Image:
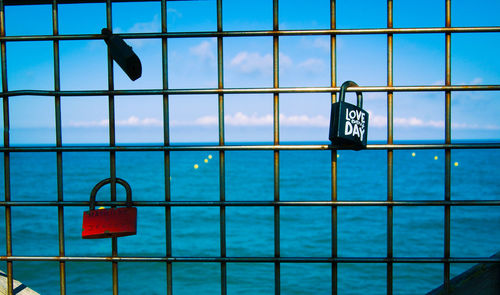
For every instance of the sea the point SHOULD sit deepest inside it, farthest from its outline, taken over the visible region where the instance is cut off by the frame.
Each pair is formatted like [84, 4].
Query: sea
[305, 231]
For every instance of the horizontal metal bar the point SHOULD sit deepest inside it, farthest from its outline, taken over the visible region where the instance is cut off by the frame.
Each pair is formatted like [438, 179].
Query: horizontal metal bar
[258, 259]
[137, 92]
[284, 147]
[253, 203]
[263, 33]
[31, 2]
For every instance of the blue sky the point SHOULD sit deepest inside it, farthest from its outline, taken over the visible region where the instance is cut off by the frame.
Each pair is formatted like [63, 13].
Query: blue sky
[304, 61]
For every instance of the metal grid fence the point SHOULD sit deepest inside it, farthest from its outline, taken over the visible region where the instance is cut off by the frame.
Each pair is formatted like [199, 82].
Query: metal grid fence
[389, 260]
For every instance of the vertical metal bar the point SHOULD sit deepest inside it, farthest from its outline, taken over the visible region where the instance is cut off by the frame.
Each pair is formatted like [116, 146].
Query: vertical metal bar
[390, 153]
[166, 142]
[277, 254]
[112, 154]
[222, 164]
[447, 194]
[6, 155]
[333, 73]
[57, 100]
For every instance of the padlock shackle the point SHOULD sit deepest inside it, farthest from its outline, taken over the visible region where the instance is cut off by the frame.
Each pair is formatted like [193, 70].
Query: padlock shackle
[102, 183]
[343, 89]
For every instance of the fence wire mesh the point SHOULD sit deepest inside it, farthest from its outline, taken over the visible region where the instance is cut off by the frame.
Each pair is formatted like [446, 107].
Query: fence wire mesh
[220, 35]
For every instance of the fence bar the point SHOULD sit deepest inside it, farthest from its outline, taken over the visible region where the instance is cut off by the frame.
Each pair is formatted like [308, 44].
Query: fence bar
[333, 166]
[276, 140]
[6, 155]
[60, 196]
[78, 93]
[257, 259]
[166, 143]
[222, 162]
[390, 152]
[447, 126]
[323, 147]
[376, 31]
[112, 153]
[255, 203]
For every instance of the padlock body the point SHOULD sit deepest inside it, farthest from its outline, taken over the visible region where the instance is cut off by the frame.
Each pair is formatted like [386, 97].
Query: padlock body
[109, 223]
[348, 126]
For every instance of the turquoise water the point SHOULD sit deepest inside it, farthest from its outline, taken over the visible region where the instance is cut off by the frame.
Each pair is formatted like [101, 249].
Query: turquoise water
[305, 231]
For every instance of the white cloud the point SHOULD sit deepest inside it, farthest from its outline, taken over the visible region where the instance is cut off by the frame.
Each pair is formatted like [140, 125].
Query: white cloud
[477, 81]
[241, 119]
[475, 126]
[135, 121]
[416, 122]
[204, 50]
[237, 119]
[285, 61]
[304, 120]
[101, 123]
[377, 121]
[252, 62]
[132, 121]
[321, 43]
[174, 12]
[206, 121]
[381, 121]
[147, 27]
[313, 65]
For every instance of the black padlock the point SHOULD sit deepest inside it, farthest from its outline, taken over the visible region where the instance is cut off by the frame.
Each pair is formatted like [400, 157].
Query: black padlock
[348, 123]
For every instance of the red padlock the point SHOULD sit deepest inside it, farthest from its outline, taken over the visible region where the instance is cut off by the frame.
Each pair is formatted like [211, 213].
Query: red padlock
[109, 223]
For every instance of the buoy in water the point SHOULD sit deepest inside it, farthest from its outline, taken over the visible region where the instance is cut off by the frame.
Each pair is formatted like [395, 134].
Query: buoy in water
[210, 157]
[456, 164]
[435, 157]
[413, 154]
[196, 166]
[206, 160]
